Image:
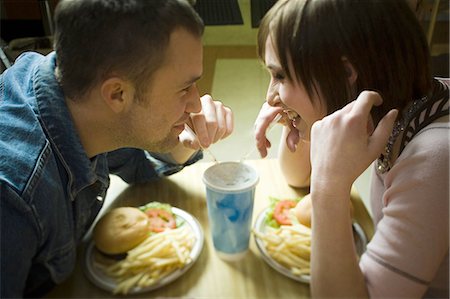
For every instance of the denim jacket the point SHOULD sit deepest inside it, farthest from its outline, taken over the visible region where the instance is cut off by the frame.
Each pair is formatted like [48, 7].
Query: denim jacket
[50, 191]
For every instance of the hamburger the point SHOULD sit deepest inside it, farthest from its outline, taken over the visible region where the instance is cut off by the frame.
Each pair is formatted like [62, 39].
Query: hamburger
[279, 212]
[124, 228]
[120, 230]
[303, 210]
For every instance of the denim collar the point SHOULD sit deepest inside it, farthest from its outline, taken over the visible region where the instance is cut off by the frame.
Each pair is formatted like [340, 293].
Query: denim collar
[58, 123]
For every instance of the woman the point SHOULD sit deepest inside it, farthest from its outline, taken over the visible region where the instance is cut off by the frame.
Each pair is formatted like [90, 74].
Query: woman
[352, 82]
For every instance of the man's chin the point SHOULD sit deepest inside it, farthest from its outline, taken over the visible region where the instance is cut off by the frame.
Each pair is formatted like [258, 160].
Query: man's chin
[164, 146]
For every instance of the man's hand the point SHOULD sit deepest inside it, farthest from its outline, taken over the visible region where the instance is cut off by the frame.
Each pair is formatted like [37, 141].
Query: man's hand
[213, 123]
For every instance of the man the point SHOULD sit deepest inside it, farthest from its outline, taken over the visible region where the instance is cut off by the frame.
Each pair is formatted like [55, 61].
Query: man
[115, 97]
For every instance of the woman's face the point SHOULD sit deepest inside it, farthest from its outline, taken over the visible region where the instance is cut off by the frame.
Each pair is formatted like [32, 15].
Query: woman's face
[291, 95]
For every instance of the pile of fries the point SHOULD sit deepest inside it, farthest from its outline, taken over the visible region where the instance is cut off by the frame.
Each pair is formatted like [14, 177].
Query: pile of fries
[289, 245]
[156, 257]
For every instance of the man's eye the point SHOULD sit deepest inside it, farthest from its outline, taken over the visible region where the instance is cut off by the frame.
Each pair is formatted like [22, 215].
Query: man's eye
[186, 89]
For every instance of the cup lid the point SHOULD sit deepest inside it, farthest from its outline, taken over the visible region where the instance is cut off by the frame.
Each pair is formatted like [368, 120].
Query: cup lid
[230, 177]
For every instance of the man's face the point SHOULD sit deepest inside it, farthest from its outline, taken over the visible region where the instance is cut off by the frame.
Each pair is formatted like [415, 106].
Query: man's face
[157, 119]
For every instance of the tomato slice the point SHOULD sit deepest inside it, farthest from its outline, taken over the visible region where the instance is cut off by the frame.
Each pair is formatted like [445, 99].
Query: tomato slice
[160, 219]
[281, 211]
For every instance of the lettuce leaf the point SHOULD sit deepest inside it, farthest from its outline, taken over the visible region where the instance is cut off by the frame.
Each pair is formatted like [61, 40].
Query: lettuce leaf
[270, 220]
[163, 206]
[157, 205]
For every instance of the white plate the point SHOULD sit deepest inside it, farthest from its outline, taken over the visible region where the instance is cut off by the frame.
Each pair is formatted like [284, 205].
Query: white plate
[260, 226]
[107, 283]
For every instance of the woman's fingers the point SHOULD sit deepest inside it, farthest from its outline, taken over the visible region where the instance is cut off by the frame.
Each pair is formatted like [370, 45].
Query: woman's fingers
[265, 117]
[365, 101]
[293, 138]
[379, 137]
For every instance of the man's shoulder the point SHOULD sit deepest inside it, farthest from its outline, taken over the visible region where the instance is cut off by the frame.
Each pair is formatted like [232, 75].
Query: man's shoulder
[22, 150]
[22, 136]
[22, 68]
[28, 57]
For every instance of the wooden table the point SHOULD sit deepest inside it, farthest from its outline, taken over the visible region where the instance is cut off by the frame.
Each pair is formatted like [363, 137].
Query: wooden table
[209, 277]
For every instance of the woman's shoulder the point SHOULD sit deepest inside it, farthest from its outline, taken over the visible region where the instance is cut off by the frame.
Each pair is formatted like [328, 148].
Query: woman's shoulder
[433, 137]
[432, 113]
[444, 81]
[427, 154]
[441, 87]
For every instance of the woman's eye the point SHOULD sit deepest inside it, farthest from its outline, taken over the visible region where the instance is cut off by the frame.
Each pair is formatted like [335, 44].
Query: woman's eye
[278, 76]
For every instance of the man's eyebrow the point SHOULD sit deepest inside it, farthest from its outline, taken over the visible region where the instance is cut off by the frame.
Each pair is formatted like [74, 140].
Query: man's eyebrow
[192, 80]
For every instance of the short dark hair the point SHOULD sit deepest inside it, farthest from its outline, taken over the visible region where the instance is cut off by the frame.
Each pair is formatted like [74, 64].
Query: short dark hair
[95, 39]
[382, 39]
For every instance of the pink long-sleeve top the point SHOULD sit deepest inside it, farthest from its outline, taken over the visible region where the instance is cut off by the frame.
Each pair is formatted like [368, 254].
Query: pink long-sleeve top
[408, 255]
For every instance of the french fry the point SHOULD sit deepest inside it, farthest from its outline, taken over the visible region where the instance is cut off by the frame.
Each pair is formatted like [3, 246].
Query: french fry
[290, 245]
[156, 257]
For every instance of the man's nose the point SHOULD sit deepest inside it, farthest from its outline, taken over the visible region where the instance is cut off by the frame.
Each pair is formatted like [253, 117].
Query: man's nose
[194, 104]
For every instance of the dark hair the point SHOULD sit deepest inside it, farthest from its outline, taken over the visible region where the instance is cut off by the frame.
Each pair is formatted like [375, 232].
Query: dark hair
[382, 39]
[95, 39]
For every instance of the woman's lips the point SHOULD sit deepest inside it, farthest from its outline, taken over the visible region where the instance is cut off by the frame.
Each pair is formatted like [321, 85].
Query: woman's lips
[293, 117]
[297, 123]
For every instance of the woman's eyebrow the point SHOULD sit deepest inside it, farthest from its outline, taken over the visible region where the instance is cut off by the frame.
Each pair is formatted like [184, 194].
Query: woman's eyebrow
[274, 67]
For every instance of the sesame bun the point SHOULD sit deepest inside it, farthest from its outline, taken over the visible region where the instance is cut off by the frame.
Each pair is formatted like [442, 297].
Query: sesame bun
[120, 230]
[303, 210]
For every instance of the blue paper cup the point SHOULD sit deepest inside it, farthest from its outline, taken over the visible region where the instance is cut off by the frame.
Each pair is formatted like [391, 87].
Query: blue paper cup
[230, 191]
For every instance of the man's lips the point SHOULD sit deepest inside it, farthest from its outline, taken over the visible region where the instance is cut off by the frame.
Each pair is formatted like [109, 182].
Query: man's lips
[182, 122]
[179, 127]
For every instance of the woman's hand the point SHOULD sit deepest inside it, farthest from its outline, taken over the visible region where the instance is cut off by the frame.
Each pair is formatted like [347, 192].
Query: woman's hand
[213, 123]
[344, 144]
[265, 117]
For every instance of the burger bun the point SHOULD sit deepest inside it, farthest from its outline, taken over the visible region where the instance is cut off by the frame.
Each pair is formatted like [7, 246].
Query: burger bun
[303, 210]
[120, 230]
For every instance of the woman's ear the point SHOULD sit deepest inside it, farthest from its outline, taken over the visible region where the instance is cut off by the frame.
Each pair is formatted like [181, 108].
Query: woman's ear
[117, 93]
[350, 71]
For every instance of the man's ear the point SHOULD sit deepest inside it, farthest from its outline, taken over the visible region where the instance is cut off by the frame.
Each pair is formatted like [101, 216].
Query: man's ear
[350, 71]
[117, 93]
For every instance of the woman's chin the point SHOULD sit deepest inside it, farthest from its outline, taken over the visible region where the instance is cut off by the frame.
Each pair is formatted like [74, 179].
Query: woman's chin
[304, 136]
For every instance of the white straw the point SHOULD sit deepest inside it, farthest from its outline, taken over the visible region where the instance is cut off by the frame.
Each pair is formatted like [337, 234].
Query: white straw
[272, 123]
[187, 128]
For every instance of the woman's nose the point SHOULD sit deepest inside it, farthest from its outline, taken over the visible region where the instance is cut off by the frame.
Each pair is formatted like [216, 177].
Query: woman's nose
[273, 99]
[273, 96]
